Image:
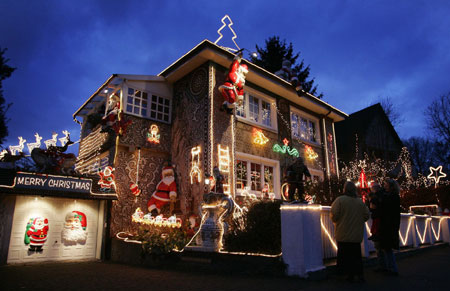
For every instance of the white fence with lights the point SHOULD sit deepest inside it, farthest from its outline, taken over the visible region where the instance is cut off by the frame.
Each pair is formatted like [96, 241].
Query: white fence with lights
[303, 227]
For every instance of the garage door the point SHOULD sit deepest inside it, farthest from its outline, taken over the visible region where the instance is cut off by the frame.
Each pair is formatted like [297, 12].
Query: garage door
[53, 229]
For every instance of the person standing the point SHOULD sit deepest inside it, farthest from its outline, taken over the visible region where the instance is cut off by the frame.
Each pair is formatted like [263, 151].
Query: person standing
[390, 224]
[349, 214]
[295, 174]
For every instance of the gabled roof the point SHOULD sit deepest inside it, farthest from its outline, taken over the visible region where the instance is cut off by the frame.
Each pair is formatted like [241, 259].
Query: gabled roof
[359, 122]
[208, 51]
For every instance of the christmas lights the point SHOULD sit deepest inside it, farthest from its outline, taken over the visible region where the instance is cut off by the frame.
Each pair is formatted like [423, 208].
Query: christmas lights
[439, 228]
[285, 149]
[405, 240]
[52, 141]
[153, 135]
[423, 236]
[328, 235]
[259, 137]
[229, 26]
[17, 148]
[195, 164]
[65, 139]
[436, 174]
[36, 144]
[310, 153]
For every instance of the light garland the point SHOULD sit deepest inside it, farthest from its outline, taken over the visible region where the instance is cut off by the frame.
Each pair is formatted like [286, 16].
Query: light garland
[405, 240]
[158, 221]
[285, 149]
[439, 228]
[328, 235]
[195, 164]
[423, 237]
[259, 137]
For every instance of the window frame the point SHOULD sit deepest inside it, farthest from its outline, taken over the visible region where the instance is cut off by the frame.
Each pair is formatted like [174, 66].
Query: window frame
[263, 162]
[261, 97]
[148, 109]
[309, 118]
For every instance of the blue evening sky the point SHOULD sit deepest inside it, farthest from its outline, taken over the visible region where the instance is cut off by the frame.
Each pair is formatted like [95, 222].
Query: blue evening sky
[358, 51]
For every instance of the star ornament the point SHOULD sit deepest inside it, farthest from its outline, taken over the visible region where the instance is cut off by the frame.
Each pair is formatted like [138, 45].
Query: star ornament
[436, 174]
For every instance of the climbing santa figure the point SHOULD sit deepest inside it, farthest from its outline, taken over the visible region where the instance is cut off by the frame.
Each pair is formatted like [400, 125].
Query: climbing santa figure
[36, 235]
[233, 88]
[166, 191]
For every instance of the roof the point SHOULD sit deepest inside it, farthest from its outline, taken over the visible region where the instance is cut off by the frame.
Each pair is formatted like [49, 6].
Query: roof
[208, 51]
[359, 123]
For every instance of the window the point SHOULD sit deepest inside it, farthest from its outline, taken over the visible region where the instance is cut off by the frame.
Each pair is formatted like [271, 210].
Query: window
[304, 127]
[257, 109]
[254, 173]
[150, 106]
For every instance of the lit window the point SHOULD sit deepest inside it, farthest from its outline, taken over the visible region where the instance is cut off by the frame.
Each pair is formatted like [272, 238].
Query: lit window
[254, 176]
[155, 107]
[258, 110]
[304, 127]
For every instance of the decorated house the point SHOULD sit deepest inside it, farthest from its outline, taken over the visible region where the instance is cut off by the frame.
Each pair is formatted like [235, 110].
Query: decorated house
[139, 124]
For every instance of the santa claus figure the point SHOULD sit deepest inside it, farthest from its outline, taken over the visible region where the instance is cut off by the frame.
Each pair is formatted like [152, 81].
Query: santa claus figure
[233, 88]
[166, 191]
[112, 113]
[106, 179]
[37, 234]
[74, 230]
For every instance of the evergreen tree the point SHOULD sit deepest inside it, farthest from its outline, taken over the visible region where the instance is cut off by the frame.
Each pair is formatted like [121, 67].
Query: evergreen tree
[272, 55]
[5, 72]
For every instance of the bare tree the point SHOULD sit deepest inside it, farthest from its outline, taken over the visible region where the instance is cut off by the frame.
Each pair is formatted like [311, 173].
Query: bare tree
[438, 118]
[392, 111]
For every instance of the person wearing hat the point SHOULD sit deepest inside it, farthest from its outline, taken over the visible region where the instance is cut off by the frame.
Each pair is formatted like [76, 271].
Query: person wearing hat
[233, 88]
[166, 191]
[295, 175]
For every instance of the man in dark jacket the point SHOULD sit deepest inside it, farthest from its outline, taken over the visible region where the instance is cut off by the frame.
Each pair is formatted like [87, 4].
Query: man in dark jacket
[294, 176]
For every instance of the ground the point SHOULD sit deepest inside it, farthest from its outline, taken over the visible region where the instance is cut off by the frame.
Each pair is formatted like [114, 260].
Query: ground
[425, 270]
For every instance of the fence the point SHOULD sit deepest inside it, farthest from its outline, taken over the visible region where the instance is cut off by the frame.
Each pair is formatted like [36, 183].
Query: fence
[304, 225]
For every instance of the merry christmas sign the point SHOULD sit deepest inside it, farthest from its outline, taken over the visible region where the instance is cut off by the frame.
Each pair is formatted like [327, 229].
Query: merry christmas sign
[47, 182]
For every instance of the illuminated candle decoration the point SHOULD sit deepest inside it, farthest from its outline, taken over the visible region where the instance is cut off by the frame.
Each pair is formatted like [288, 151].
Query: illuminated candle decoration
[17, 148]
[107, 179]
[259, 137]
[285, 149]
[195, 172]
[436, 174]
[310, 153]
[153, 135]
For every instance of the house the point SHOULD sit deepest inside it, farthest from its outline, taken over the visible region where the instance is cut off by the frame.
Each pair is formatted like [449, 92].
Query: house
[175, 116]
[367, 131]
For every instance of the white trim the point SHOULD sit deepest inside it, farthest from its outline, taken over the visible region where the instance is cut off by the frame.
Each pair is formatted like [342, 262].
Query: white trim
[261, 96]
[262, 161]
[308, 117]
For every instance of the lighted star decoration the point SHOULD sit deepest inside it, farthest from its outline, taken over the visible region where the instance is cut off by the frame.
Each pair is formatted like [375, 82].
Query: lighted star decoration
[436, 174]
[259, 137]
[362, 164]
[229, 26]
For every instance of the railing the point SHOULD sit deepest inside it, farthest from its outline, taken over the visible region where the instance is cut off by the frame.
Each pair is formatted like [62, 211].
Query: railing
[415, 230]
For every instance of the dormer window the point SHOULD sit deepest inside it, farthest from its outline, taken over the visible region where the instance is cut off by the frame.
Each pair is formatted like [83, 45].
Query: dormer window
[148, 105]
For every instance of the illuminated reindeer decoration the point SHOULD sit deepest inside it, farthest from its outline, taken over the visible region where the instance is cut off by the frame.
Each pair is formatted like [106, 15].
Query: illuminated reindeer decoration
[36, 144]
[17, 148]
[51, 142]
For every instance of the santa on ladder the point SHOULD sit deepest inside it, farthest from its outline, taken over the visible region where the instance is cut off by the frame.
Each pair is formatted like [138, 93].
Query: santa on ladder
[166, 191]
[233, 88]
